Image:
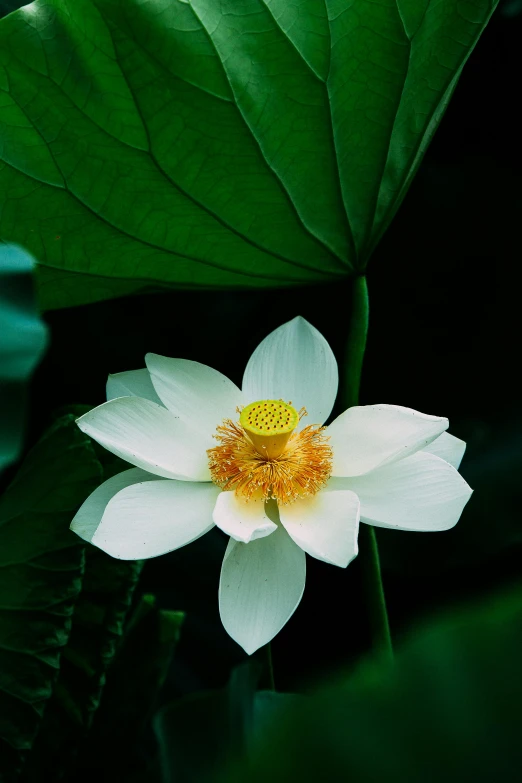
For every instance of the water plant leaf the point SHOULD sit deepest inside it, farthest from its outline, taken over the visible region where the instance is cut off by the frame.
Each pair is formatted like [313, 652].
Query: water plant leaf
[204, 144]
[448, 709]
[23, 340]
[41, 566]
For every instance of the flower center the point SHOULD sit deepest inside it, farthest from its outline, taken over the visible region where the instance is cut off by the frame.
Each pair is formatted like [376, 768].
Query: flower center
[262, 456]
[269, 424]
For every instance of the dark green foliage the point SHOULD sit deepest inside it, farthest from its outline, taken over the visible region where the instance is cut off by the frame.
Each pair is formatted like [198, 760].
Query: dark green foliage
[215, 145]
[450, 710]
[97, 626]
[119, 739]
[41, 566]
[222, 722]
[23, 338]
[62, 612]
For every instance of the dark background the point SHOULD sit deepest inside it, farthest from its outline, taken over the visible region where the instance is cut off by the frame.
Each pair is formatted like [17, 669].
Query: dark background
[444, 339]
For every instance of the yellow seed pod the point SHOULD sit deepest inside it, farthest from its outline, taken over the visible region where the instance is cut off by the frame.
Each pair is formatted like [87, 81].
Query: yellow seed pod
[269, 424]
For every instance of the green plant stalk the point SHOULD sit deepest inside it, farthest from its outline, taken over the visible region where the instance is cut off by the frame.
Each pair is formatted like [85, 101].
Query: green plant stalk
[356, 343]
[354, 356]
[270, 666]
[375, 599]
[264, 659]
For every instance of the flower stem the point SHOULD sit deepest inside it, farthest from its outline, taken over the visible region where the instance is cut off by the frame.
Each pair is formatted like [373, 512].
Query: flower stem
[263, 660]
[270, 666]
[376, 601]
[355, 347]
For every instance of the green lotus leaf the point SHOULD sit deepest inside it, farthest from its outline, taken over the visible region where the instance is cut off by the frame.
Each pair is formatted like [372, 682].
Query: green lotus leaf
[216, 144]
[23, 339]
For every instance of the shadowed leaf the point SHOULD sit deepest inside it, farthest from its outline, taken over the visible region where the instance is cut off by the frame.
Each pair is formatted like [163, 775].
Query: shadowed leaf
[41, 565]
[23, 341]
[449, 710]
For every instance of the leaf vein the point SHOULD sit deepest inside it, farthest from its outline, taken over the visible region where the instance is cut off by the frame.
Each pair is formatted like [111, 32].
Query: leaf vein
[281, 183]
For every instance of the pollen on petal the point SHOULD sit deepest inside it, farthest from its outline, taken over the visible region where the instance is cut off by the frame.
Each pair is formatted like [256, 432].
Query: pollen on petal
[256, 465]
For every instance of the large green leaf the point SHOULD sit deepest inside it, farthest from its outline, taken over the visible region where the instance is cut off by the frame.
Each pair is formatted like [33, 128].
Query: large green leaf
[23, 340]
[99, 614]
[450, 710]
[205, 143]
[97, 626]
[134, 681]
[41, 564]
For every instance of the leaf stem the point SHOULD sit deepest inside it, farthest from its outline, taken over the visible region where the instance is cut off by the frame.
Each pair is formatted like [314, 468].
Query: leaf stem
[354, 355]
[356, 343]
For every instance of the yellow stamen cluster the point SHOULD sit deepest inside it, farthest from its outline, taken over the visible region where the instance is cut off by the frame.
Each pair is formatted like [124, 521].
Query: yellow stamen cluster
[260, 463]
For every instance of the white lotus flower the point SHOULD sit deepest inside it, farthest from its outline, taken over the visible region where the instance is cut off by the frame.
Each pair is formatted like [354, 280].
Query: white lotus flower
[278, 488]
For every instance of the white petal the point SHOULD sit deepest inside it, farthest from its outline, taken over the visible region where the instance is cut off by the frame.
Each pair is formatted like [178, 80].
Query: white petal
[149, 437]
[243, 521]
[421, 492]
[448, 447]
[296, 364]
[90, 513]
[325, 525]
[134, 383]
[369, 436]
[260, 588]
[201, 396]
[155, 517]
